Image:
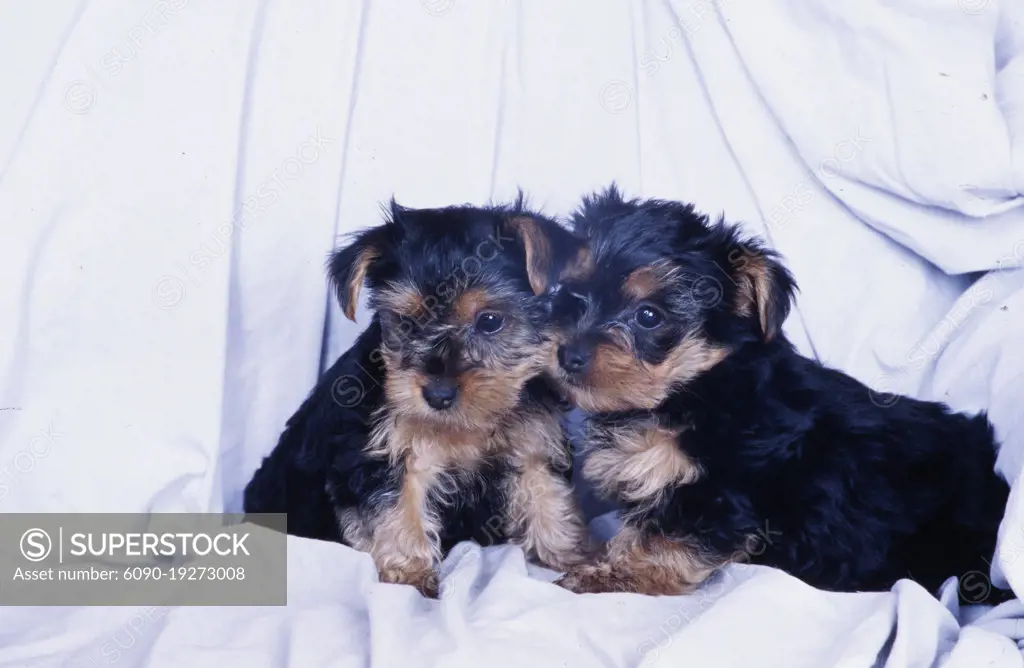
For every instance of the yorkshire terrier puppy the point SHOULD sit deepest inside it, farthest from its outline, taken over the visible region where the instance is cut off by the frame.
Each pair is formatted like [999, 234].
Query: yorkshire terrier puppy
[721, 443]
[438, 425]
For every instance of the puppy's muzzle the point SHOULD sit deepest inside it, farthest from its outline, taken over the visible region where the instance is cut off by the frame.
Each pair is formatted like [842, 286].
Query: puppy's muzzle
[440, 394]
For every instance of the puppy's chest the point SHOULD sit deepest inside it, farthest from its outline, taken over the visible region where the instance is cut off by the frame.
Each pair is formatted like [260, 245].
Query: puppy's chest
[638, 461]
[456, 474]
[518, 438]
[461, 467]
[470, 481]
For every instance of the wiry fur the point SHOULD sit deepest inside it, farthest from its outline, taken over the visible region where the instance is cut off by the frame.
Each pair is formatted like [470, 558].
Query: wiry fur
[642, 562]
[369, 461]
[774, 450]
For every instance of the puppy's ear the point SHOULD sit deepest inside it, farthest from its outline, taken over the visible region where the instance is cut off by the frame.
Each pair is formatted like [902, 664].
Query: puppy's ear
[552, 252]
[347, 267]
[764, 287]
[538, 246]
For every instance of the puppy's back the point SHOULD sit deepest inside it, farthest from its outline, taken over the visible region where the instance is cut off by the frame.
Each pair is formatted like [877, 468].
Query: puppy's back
[335, 416]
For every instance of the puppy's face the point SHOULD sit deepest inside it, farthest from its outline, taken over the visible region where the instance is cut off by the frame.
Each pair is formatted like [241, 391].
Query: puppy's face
[462, 295]
[460, 353]
[668, 295]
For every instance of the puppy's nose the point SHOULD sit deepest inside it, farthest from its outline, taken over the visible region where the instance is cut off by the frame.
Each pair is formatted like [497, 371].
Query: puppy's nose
[440, 394]
[574, 357]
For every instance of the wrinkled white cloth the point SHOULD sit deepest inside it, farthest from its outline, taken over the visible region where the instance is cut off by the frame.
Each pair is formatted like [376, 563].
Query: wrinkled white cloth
[911, 113]
[173, 175]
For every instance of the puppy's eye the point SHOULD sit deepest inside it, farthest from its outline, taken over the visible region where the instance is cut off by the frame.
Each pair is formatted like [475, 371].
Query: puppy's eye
[648, 317]
[489, 322]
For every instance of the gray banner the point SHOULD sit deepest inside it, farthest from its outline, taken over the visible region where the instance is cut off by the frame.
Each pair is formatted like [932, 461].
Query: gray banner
[158, 559]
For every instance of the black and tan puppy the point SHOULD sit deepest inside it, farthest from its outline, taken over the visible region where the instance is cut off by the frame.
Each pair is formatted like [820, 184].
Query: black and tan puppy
[722, 443]
[438, 425]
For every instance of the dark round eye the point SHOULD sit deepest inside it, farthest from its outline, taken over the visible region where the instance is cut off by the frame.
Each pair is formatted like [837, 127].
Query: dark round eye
[489, 322]
[648, 317]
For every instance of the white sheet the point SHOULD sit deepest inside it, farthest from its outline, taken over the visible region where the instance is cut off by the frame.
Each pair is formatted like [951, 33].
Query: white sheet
[172, 175]
[912, 111]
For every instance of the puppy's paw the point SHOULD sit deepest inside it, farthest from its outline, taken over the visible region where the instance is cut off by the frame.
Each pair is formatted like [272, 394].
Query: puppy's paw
[424, 580]
[602, 577]
[591, 579]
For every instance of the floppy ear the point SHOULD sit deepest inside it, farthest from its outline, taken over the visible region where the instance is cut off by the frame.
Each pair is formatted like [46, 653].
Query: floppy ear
[764, 287]
[347, 268]
[540, 254]
[552, 252]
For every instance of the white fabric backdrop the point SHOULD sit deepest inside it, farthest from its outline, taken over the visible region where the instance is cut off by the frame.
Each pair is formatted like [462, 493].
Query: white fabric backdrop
[172, 175]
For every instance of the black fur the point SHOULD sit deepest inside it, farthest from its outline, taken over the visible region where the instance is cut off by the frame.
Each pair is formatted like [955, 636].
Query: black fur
[326, 434]
[839, 488]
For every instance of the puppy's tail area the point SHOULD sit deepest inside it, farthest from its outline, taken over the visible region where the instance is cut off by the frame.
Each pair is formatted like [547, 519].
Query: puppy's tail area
[979, 429]
[978, 508]
[279, 488]
[971, 452]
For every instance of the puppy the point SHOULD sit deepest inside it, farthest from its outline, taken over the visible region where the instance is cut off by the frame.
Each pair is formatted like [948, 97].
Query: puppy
[721, 443]
[437, 426]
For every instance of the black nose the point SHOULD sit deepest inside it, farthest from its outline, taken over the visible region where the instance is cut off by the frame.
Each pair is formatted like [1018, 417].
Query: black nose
[440, 394]
[574, 357]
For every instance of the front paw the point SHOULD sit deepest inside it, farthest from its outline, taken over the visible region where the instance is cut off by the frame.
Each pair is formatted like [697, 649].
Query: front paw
[602, 577]
[591, 579]
[425, 581]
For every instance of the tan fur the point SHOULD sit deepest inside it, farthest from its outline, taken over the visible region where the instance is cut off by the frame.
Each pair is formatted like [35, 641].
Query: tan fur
[355, 284]
[398, 436]
[642, 283]
[491, 392]
[642, 462]
[754, 290]
[538, 251]
[646, 281]
[619, 381]
[653, 565]
[403, 299]
[543, 516]
[404, 542]
[404, 538]
[468, 304]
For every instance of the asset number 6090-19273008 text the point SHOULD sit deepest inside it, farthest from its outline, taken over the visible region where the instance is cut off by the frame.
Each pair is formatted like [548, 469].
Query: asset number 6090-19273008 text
[181, 573]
